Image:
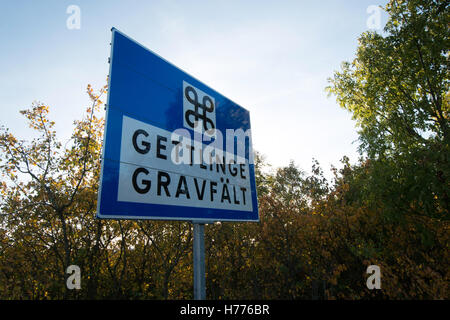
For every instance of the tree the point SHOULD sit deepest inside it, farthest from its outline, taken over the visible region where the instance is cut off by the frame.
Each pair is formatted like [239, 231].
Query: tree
[47, 221]
[48, 190]
[397, 89]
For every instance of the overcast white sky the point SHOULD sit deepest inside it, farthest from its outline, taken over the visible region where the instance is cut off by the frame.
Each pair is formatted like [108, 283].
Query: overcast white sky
[271, 57]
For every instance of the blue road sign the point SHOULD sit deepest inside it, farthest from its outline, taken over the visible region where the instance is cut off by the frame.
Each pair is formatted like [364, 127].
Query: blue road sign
[174, 149]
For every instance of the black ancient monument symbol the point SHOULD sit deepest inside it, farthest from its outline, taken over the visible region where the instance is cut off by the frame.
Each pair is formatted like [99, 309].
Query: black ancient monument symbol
[207, 105]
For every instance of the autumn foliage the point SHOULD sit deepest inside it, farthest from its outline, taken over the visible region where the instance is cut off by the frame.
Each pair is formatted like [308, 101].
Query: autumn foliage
[309, 233]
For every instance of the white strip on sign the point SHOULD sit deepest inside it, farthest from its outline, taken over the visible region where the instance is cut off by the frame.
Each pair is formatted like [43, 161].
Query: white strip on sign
[161, 167]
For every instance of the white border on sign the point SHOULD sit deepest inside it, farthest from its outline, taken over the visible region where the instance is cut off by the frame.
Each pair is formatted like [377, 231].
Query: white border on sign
[121, 217]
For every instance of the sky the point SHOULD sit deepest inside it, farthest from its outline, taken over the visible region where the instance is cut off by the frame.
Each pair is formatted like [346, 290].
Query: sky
[271, 57]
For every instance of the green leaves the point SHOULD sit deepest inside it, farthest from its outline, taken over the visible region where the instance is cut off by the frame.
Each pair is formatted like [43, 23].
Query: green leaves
[396, 84]
[397, 90]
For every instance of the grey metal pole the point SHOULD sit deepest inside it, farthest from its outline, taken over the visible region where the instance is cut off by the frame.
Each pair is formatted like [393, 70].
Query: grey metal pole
[199, 261]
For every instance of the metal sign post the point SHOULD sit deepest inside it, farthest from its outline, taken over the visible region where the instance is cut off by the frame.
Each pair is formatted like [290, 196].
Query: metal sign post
[199, 261]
